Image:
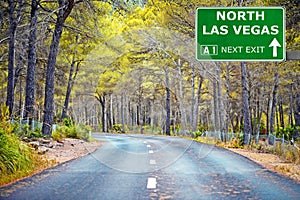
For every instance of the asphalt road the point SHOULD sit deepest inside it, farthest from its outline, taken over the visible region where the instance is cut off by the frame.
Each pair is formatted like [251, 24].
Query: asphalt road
[155, 167]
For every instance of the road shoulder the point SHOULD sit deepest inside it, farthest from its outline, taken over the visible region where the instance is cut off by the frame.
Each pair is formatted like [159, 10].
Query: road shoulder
[271, 162]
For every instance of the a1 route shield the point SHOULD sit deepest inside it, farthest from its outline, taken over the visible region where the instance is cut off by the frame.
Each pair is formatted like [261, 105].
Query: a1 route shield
[240, 34]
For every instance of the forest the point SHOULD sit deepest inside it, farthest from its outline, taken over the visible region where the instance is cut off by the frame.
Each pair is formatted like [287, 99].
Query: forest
[130, 66]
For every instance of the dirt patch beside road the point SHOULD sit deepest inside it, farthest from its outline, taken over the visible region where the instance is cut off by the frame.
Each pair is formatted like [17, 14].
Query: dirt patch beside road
[70, 149]
[272, 162]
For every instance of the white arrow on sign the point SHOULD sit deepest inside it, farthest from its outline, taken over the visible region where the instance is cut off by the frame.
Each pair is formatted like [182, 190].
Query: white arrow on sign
[274, 44]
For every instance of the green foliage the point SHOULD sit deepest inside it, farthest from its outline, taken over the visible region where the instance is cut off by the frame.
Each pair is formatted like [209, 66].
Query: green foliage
[288, 132]
[14, 155]
[67, 122]
[197, 133]
[24, 130]
[37, 133]
[57, 135]
[72, 132]
[202, 128]
[84, 132]
[5, 125]
[16, 158]
[4, 112]
[65, 131]
[148, 129]
[117, 128]
[200, 131]
[237, 141]
[76, 132]
[177, 128]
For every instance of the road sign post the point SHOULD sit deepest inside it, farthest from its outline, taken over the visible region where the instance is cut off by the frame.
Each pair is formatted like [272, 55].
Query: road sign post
[240, 34]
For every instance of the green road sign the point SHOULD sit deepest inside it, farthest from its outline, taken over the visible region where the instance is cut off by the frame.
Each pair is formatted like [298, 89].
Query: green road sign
[240, 34]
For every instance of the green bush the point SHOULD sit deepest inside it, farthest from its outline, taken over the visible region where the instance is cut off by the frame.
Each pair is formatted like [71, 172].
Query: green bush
[117, 128]
[202, 128]
[65, 131]
[15, 156]
[61, 132]
[288, 132]
[56, 135]
[84, 132]
[237, 141]
[67, 122]
[24, 130]
[197, 133]
[73, 132]
[17, 160]
[37, 133]
[76, 132]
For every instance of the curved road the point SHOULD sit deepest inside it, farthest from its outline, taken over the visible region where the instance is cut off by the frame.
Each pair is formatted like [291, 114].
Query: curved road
[155, 167]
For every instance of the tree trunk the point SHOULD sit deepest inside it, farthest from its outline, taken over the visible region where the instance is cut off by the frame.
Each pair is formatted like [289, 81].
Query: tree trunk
[86, 115]
[197, 102]
[273, 105]
[245, 97]
[216, 106]
[194, 127]
[111, 115]
[220, 98]
[281, 114]
[168, 107]
[277, 117]
[20, 112]
[30, 77]
[259, 111]
[140, 104]
[268, 116]
[13, 20]
[130, 113]
[102, 100]
[245, 101]
[152, 115]
[297, 113]
[291, 121]
[227, 117]
[122, 112]
[69, 88]
[181, 99]
[65, 8]
[20, 64]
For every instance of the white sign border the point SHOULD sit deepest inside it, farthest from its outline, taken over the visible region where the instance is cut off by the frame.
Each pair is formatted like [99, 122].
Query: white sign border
[242, 60]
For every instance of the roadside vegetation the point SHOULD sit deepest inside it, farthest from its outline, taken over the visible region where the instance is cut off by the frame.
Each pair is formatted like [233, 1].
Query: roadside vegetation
[68, 129]
[287, 150]
[18, 158]
[281, 156]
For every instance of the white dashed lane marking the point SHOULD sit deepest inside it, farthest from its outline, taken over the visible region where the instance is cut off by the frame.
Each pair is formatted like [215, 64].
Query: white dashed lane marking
[152, 162]
[151, 184]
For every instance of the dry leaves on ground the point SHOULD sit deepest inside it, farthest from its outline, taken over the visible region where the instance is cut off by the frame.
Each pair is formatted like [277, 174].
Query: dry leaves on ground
[272, 162]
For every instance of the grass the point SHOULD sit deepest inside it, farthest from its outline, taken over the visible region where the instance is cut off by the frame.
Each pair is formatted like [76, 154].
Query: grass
[17, 160]
[74, 131]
